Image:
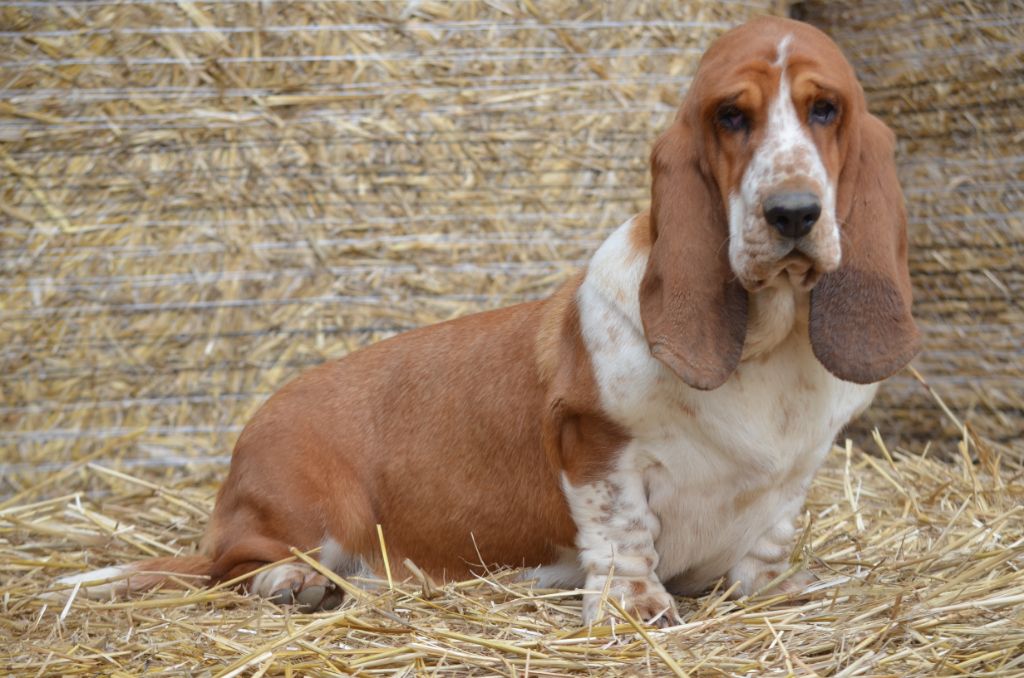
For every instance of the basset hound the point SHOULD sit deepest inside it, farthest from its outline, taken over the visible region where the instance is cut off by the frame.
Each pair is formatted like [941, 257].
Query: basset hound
[650, 427]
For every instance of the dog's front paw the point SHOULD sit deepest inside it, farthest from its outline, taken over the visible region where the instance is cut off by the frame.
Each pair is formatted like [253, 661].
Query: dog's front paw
[657, 608]
[792, 585]
[644, 599]
[759, 577]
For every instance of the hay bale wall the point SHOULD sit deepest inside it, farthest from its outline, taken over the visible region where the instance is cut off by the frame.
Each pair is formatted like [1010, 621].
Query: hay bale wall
[948, 77]
[201, 199]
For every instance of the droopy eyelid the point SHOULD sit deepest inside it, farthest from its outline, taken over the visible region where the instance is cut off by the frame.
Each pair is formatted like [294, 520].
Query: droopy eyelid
[733, 96]
[821, 89]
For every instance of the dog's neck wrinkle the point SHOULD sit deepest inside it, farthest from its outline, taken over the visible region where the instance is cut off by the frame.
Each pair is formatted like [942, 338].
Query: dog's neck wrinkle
[775, 313]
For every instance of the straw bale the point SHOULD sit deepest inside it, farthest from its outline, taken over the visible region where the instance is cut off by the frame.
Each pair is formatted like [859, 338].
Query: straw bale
[948, 77]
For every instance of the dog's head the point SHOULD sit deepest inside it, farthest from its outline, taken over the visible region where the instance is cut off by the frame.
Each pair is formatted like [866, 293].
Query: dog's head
[773, 166]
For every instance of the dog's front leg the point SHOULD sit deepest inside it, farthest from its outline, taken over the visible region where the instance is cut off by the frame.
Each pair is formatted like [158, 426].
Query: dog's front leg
[615, 537]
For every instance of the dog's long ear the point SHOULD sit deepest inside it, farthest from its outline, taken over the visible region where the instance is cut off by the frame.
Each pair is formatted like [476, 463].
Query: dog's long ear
[693, 309]
[861, 327]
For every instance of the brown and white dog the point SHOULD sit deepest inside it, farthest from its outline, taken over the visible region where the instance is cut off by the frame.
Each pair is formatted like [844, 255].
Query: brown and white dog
[650, 427]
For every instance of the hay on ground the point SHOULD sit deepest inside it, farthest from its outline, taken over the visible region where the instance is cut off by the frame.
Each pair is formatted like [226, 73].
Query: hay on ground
[919, 562]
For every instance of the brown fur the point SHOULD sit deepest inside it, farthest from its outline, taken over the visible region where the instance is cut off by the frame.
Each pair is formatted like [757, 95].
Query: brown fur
[640, 235]
[861, 325]
[452, 437]
[694, 311]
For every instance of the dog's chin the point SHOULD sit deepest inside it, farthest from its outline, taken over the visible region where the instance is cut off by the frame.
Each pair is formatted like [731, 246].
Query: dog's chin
[795, 270]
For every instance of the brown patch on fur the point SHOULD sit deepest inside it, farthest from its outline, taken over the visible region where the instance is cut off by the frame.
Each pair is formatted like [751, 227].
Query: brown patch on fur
[795, 183]
[687, 409]
[638, 587]
[640, 236]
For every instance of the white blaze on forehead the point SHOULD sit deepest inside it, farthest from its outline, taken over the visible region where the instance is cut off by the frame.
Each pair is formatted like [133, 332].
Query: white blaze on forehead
[786, 151]
[782, 52]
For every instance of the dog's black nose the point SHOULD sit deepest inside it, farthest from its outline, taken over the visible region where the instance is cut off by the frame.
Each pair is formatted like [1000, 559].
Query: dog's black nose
[792, 214]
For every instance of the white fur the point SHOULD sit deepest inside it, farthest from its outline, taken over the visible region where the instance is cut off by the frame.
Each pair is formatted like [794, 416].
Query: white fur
[711, 479]
[564, 573]
[616, 533]
[786, 157]
[335, 559]
[100, 583]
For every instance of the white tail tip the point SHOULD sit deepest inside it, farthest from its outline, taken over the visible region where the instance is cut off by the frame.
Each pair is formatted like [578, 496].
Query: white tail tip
[101, 583]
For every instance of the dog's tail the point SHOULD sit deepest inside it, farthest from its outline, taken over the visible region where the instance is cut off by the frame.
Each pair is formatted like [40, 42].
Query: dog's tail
[123, 580]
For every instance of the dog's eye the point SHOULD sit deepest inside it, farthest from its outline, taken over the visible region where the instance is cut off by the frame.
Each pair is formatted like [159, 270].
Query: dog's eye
[732, 118]
[823, 112]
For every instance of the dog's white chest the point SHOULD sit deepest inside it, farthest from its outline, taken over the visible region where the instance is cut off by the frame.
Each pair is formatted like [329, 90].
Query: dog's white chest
[738, 459]
[719, 467]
